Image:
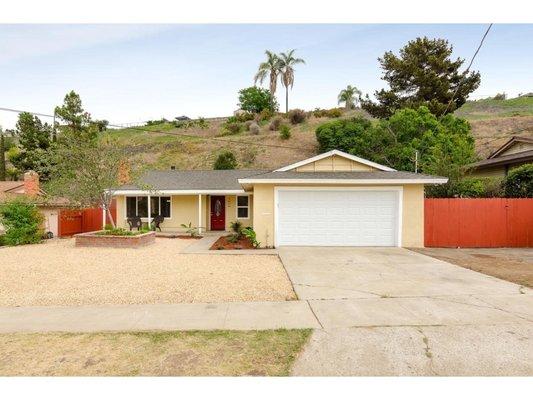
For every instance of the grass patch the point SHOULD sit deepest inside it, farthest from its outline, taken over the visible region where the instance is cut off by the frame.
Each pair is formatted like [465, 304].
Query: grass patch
[176, 353]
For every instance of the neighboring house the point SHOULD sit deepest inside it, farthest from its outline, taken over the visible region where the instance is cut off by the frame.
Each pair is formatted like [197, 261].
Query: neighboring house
[515, 152]
[333, 199]
[30, 187]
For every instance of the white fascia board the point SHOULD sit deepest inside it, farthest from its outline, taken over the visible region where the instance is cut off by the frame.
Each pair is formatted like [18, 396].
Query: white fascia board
[349, 181]
[135, 192]
[335, 153]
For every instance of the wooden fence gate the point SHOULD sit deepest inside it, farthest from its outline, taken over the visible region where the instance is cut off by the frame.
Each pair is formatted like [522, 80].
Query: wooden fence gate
[478, 222]
[72, 222]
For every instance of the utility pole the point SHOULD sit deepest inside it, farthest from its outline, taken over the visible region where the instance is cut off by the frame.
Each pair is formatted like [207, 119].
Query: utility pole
[416, 161]
[54, 128]
[2, 157]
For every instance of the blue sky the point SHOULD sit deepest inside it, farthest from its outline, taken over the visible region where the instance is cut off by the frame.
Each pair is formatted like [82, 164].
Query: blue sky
[128, 73]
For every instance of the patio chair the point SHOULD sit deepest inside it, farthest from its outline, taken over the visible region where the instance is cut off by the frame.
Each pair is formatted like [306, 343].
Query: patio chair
[157, 221]
[135, 222]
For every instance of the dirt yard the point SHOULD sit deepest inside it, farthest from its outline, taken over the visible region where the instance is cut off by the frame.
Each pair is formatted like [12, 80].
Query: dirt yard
[513, 265]
[57, 273]
[218, 353]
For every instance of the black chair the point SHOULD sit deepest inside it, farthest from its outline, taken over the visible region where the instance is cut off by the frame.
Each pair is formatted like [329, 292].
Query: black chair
[157, 221]
[135, 222]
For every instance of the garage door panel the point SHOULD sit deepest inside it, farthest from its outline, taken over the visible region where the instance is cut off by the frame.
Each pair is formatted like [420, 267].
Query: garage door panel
[337, 217]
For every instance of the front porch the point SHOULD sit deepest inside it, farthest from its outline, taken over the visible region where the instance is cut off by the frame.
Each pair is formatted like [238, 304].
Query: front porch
[210, 213]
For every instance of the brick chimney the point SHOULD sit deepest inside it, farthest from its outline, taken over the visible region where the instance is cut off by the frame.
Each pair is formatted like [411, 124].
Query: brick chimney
[31, 183]
[124, 173]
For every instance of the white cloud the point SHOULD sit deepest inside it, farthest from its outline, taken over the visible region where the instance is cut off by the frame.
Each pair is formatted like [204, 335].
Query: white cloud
[27, 41]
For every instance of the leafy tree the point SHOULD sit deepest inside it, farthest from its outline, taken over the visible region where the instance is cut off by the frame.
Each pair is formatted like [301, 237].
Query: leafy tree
[225, 160]
[287, 61]
[423, 74]
[86, 172]
[348, 97]
[34, 146]
[519, 182]
[270, 68]
[444, 146]
[77, 121]
[23, 222]
[255, 100]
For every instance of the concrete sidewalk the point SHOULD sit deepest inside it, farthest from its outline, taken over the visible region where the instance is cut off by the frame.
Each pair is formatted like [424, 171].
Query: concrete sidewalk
[204, 316]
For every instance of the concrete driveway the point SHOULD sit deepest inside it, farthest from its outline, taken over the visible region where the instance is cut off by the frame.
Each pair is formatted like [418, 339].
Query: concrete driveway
[391, 311]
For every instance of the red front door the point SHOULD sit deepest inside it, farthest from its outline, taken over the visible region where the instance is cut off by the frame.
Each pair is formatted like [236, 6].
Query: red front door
[218, 213]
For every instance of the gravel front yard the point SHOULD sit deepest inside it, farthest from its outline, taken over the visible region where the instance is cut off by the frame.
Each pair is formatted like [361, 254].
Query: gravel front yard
[57, 273]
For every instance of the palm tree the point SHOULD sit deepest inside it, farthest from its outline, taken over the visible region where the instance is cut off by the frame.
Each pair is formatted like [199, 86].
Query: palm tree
[287, 61]
[347, 96]
[270, 67]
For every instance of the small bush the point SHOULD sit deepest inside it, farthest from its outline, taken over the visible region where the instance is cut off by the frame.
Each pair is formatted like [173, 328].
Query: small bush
[118, 232]
[232, 128]
[519, 182]
[275, 124]
[189, 229]
[225, 160]
[254, 129]
[334, 113]
[236, 227]
[22, 221]
[251, 235]
[500, 96]
[284, 132]
[297, 116]
[248, 156]
[247, 125]
[264, 115]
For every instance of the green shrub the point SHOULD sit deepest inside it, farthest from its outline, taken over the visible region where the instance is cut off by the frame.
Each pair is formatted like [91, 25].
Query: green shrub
[22, 221]
[232, 128]
[119, 232]
[255, 99]
[334, 113]
[284, 132]
[519, 182]
[500, 96]
[2, 240]
[251, 235]
[275, 124]
[236, 228]
[189, 229]
[296, 116]
[265, 115]
[225, 160]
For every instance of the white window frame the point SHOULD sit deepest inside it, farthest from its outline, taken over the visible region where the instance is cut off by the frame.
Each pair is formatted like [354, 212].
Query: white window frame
[137, 206]
[237, 206]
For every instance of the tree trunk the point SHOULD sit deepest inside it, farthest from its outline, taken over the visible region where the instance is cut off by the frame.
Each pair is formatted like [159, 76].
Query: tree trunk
[287, 99]
[110, 216]
[2, 159]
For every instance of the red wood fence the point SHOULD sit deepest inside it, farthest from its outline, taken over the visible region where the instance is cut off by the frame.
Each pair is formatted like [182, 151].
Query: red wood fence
[478, 223]
[85, 220]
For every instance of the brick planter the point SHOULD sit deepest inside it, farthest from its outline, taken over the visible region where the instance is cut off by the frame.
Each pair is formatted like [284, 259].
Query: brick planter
[91, 239]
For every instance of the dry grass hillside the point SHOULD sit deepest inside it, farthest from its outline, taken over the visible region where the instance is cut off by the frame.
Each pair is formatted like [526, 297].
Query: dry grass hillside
[164, 145]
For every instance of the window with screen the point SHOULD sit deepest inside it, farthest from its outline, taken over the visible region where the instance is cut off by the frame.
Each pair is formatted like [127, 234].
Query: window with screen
[243, 207]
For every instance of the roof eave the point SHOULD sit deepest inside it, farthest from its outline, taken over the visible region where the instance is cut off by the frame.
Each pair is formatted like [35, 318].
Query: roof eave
[156, 192]
[387, 181]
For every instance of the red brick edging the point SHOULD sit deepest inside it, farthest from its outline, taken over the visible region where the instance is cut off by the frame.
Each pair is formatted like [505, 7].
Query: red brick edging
[90, 239]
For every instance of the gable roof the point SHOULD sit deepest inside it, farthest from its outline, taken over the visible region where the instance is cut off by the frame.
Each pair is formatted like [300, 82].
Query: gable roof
[335, 153]
[523, 156]
[510, 143]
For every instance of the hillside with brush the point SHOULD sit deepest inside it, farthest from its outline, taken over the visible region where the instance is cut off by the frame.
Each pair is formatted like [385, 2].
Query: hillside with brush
[188, 146]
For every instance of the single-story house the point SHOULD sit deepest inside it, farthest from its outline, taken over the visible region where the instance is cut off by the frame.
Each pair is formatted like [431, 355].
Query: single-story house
[30, 187]
[332, 199]
[515, 152]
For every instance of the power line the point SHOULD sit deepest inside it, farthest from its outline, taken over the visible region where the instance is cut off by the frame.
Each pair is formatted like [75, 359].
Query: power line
[179, 134]
[467, 69]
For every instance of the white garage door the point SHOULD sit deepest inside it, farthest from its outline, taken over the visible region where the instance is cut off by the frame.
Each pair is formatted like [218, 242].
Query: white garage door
[337, 217]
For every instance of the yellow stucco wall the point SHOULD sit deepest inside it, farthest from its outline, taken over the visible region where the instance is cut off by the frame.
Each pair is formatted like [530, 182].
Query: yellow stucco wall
[412, 214]
[184, 209]
[333, 163]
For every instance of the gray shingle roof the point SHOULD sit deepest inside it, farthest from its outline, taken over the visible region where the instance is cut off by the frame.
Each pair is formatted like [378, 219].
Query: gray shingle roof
[399, 175]
[193, 180]
[509, 158]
